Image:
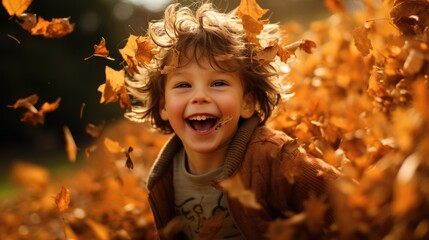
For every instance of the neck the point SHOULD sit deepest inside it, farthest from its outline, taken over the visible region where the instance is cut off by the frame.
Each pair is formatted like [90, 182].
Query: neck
[200, 163]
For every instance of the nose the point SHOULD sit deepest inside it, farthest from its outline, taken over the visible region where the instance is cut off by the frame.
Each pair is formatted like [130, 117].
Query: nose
[200, 96]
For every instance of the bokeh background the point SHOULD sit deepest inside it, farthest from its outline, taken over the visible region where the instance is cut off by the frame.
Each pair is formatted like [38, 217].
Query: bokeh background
[53, 68]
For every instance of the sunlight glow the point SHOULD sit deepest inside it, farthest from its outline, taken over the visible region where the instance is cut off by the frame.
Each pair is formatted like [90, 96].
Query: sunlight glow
[150, 5]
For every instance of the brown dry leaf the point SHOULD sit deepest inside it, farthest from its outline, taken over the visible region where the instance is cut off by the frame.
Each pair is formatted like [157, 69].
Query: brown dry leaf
[62, 199]
[56, 28]
[100, 50]
[113, 146]
[100, 230]
[71, 147]
[250, 12]
[362, 42]
[16, 7]
[129, 163]
[235, 188]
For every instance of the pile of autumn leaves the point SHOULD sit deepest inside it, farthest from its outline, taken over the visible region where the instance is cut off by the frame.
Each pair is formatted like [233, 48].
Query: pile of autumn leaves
[359, 103]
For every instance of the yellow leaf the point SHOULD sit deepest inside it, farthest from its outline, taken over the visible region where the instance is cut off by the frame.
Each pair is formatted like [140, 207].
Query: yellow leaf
[16, 7]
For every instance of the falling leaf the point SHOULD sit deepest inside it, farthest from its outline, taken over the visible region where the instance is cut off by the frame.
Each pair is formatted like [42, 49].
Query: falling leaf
[250, 13]
[113, 146]
[285, 52]
[62, 199]
[27, 21]
[100, 50]
[56, 28]
[129, 163]
[16, 7]
[89, 150]
[144, 52]
[114, 89]
[268, 53]
[81, 110]
[71, 147]
[34, 116]
[27, 102]
[235, 188]
[94, 130]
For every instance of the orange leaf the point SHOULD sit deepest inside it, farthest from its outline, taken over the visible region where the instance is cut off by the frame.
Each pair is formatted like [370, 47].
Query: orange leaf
[250, 13]
[56, 28]
[285, 52]
[27, 102]
[27, 21]
[114, 88]
[144, 52]
[335, 5]
[34, 116]
[62, 199]
[362, 43]
[235, 188]
[100, 230]
[16, 7]
[71, 147]
[100, 50]
[113, 146]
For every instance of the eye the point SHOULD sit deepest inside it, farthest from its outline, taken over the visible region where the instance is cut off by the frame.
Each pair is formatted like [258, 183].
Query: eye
[219, 83]
[182, 85]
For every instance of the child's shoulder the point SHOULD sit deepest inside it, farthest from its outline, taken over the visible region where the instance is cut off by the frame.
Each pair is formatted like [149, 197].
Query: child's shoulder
[266, 135]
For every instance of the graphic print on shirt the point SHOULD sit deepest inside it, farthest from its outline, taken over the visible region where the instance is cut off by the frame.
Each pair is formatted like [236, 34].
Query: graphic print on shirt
[195, 211]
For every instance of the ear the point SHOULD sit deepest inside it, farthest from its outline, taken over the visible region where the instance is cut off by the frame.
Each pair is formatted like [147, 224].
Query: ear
[249, 106]
[162, 111]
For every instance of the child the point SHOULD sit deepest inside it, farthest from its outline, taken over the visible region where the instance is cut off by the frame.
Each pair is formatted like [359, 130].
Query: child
[204, 86]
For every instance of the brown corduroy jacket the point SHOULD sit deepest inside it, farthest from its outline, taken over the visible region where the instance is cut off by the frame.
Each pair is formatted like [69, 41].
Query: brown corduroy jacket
[270, 164]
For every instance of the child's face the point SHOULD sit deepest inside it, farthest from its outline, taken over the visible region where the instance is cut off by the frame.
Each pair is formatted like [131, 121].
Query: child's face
[197, 99]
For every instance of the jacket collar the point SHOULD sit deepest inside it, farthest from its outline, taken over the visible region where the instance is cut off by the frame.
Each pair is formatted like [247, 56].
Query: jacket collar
[233, 159]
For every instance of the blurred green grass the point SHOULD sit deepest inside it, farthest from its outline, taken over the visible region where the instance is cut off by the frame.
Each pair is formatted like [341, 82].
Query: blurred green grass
[56, 163]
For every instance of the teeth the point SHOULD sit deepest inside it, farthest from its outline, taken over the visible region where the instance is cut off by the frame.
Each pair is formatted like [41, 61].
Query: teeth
[201, 117]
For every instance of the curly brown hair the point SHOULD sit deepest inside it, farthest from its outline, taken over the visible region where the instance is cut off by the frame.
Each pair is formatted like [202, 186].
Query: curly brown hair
[193, 35]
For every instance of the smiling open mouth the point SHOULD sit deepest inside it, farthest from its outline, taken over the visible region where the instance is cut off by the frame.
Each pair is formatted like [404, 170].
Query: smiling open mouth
[202, 123]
